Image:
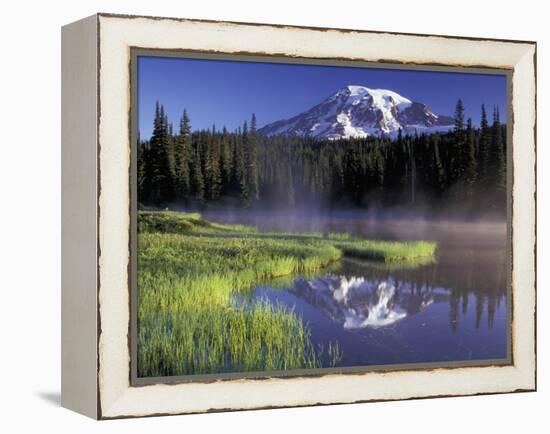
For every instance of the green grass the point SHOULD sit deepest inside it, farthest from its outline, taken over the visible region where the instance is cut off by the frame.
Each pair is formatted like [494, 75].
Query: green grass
[189, 271]
[387, 251]
[406, 264]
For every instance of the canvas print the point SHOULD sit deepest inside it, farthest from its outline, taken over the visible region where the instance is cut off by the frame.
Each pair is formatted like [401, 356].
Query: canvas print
[296, 218]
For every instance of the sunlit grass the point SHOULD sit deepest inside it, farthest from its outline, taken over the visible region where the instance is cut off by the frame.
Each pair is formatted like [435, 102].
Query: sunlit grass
[387, 251]
[188, 323]
[189, 271]
[406, 264]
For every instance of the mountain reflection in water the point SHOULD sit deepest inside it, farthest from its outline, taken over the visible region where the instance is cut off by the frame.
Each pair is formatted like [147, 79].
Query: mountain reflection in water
[356, 302]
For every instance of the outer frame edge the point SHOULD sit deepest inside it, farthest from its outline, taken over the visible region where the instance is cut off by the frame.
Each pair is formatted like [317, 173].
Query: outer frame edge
[518, 390]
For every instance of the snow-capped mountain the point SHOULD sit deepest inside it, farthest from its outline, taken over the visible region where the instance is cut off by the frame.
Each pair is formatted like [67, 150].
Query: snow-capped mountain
[357, 111]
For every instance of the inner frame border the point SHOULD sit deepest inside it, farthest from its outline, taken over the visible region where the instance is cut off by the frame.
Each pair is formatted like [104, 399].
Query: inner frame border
[136, 52]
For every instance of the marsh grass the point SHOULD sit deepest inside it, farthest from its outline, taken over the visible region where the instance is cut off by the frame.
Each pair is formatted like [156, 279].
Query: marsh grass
[189, 272]
[387, 251]
[406, 264]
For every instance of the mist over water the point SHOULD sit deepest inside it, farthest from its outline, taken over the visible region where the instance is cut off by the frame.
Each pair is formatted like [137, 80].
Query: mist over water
[387, 225]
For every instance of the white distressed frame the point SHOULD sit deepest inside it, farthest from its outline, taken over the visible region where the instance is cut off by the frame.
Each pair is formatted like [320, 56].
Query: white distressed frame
[115, 397]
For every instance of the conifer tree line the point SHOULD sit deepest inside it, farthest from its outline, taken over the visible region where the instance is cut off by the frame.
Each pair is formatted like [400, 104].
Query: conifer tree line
[465, 167]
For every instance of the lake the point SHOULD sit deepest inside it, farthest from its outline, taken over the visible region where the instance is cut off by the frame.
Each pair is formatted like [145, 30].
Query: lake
[450, 310]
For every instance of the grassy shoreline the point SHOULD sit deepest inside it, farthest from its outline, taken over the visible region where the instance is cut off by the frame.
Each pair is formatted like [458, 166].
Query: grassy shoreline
[189, 269]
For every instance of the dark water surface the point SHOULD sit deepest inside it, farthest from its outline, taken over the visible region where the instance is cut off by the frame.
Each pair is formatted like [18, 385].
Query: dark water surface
[453, 309]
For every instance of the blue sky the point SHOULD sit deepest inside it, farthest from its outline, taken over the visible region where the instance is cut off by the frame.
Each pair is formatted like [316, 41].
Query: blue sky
[228, 92]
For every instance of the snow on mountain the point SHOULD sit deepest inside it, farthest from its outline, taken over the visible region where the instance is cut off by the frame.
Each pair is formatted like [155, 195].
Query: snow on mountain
[357, 111]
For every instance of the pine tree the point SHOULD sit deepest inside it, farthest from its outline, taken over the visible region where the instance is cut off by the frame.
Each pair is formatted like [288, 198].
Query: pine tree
[439, 175]
[252, 160]
[212, 175]
[471, 162]
[412, 166]
[171, 149]
[159, 164]
[242, 166]
[182, 158]
[143, 194]
[484, 150]
[185, 124]
[498, 153]
[197, 176]
[290, 193]
[226, 161]
[459, 153]
[459, 116]
[484, 124]
[353, 174]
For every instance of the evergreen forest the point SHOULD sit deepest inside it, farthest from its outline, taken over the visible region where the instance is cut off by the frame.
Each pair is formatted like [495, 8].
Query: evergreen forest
[463, 170]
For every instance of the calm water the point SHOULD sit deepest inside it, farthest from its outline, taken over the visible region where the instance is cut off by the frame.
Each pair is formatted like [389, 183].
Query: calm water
[454, 309]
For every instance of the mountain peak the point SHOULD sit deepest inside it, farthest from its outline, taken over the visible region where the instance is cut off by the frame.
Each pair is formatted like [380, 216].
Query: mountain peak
[360, 111]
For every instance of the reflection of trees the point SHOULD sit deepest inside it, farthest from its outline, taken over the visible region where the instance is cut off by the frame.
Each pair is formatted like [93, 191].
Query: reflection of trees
[454, 312]
[464, 305]
[479, 309]
[468, 273]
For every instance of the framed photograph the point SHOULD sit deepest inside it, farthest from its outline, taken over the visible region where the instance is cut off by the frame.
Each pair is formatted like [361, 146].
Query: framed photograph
[262, 216]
